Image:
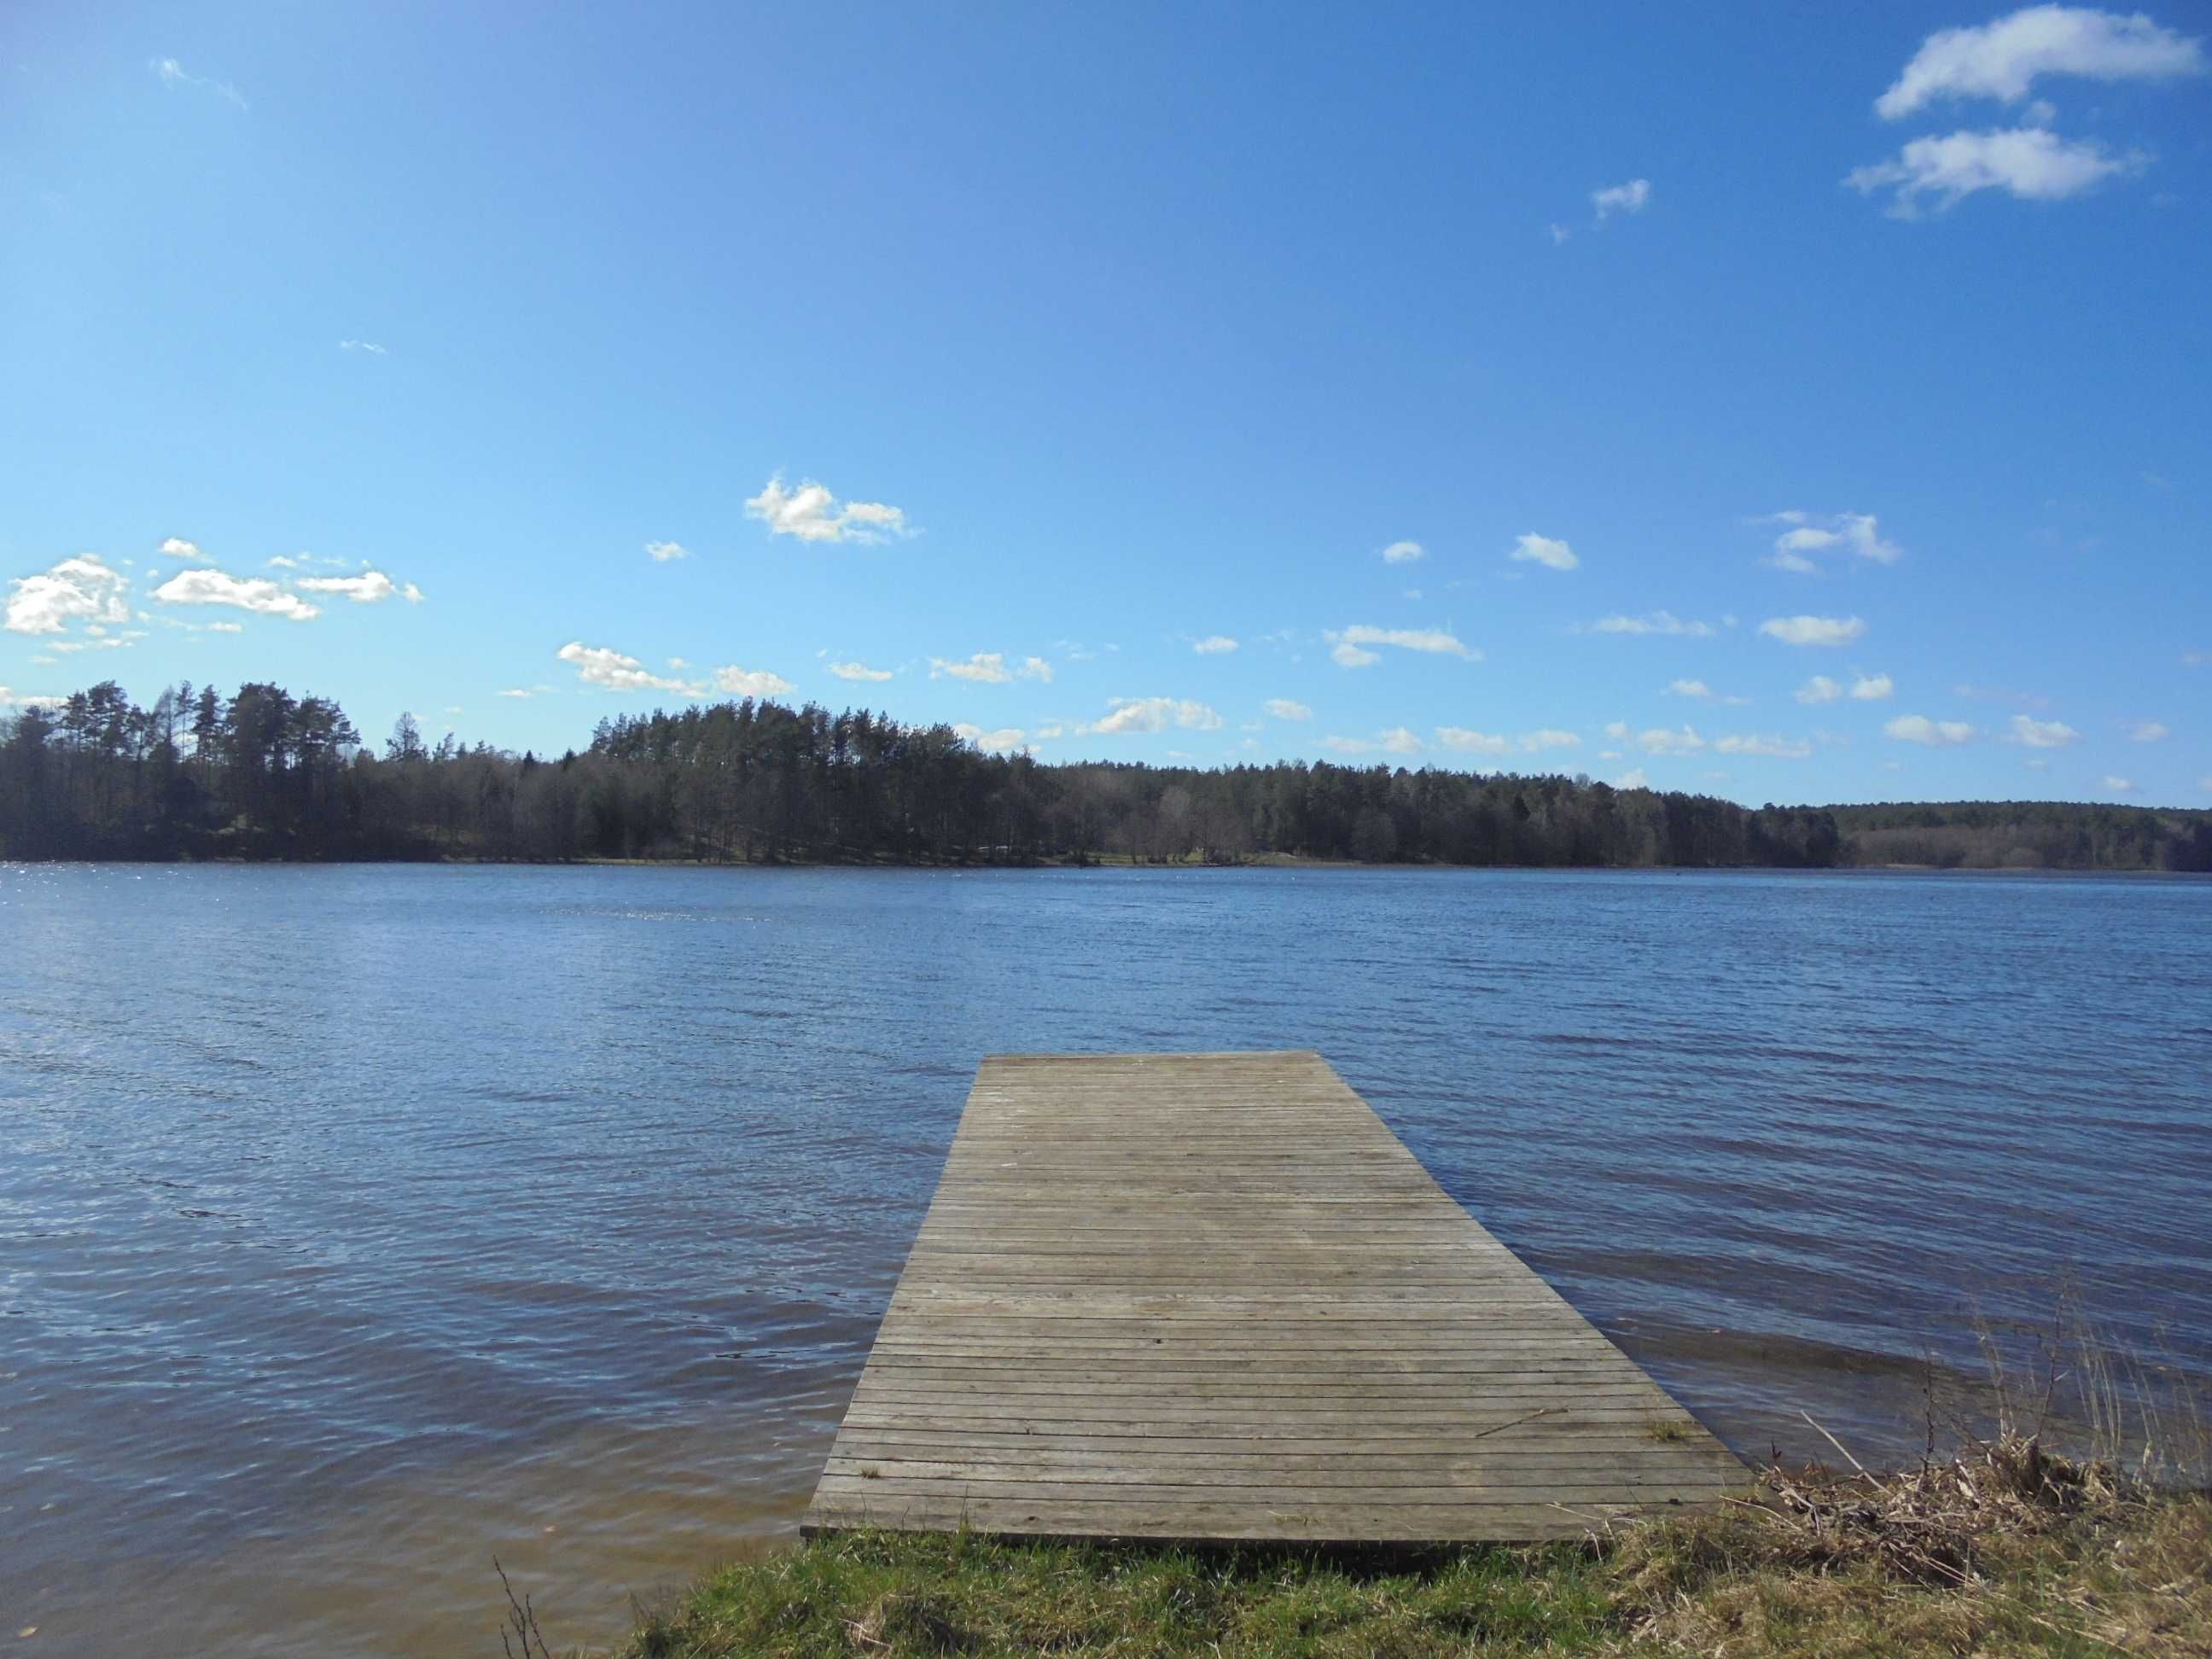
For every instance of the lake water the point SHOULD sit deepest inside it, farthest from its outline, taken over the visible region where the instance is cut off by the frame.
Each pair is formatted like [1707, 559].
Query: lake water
[358, 1224]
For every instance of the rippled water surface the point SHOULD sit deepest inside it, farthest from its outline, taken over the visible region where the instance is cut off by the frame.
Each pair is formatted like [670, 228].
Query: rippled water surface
[357, 1223]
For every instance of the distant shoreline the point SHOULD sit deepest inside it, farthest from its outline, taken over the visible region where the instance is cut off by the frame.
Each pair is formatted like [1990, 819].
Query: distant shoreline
[1117, 861]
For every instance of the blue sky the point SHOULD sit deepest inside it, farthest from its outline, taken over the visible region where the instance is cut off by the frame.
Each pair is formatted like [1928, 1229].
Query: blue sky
[1839, 379]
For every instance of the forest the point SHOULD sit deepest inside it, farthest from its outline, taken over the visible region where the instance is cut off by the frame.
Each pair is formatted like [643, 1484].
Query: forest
[262, 774]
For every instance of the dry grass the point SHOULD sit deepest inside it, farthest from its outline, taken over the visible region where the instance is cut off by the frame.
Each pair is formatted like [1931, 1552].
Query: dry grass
[2006, 1545]
[2007, 1548]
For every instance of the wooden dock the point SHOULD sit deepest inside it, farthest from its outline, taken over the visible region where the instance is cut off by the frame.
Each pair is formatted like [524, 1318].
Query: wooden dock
[1212, 1296]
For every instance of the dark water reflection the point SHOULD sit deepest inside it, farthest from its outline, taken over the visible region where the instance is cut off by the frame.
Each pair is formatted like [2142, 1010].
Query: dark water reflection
[358, 1223]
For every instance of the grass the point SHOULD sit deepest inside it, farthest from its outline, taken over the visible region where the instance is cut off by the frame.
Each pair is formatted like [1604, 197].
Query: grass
[2006, 1550]
[2003, 1547]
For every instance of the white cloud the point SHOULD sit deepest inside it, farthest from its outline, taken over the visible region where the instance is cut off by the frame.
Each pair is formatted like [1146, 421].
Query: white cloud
[750, 682]
[662, 552]
[1284, 709]
[1812, 630]
[598, 665]
[1154, 714]
[1533, 549]
[2026, 162]
[1633, 778]
[1660, 741]
[1005, 739]
[1702, 692]
[2149, 732]
[1350, 644]
[989, 668]
[1858, 533]
[1404, 553]
[26, 699]
[1214, 645]
[370, 588]
[1770, 748]
[178, 548]
[1622, 199]
[1466, 741]
[2002, 59]
[279, 562]
[1560, 235]
[1873, 688]
[80, 589]
[225, 628]
[2119, 785]
[1919, 728]
[1656, 622]
[516, 691]
[369, 346]
[811, 513]
[2040, 734]
[1469, 742]
[254, 594]
[1398, 740]
[859, 671]
[171, 73]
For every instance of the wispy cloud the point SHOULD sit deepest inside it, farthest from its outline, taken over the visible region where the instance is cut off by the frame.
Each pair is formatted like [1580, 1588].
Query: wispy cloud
[1631, 198]
[1934, 734]
[2118, 785]
[1699, 691]
[1214, 645]
[1467, 741]
[811, 513]
[2148, 731]
[2029, 163]
[1762, 746]
[1814, 630]
[859, 671]
[1856, 534]
[171, 73]
[1818, 689]
[1553, 555]
[368, 346]
[2002, 60]
[370, 588]
[667, 552]
[989, 668]
[2040, 734]
[1397, 740]
[1655, 621]
[1350, 644]
[1283, 708]
[1404, 553]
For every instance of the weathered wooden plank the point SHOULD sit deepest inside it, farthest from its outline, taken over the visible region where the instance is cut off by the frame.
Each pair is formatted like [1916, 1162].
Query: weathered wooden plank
[1213, 1296]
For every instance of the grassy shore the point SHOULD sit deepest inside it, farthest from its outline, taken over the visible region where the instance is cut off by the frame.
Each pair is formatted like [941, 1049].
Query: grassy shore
[2007, 1550]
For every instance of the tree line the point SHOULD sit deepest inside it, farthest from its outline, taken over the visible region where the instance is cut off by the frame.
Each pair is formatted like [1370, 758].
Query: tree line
[262, 774]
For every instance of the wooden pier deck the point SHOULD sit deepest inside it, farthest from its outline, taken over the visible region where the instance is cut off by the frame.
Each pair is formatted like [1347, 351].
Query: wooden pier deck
[1212, 1296]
